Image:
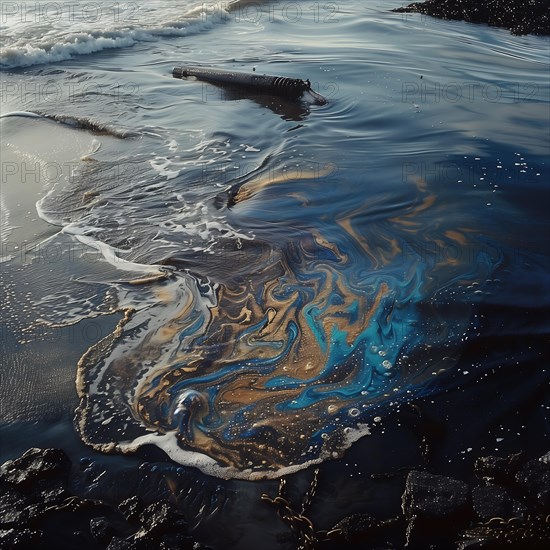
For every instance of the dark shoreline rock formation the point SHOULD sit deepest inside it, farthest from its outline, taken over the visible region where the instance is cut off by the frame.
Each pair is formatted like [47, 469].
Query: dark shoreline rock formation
[504, 504]
[39, 510]
[520, 17]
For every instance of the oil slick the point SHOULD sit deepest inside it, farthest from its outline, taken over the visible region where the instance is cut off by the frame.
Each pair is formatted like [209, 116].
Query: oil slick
[284, 364]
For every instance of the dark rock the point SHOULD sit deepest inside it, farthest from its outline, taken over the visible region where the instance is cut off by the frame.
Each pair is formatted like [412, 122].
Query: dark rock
[497, 469]
[367, 531]
[34, 465]
[131, 508]
[177, 541]
[35, 513]
[159, 518]
[134, 543]
[491, 501]
[517, 15]
[432, 496]
[12, 507]
[17, 508]
[363, 527]
[51, 492]
[354, 525]
[118, 543]
[534, 479]
[200, 546]
[436, 507]
[474, 544]
[532, 533]
[15, 538]
[79, 510]
[101, 530]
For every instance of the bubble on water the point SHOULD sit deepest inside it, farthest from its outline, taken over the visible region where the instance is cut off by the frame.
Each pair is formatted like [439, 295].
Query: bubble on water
[280, 346]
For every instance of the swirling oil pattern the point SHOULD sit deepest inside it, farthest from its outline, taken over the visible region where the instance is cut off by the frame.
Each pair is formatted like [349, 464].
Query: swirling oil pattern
[281, 273]
[209, 294]
[283, 358]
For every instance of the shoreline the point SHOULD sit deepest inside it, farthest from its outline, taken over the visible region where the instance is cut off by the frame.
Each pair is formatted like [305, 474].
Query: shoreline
[466, 465]
[504, 501]
[508, 14]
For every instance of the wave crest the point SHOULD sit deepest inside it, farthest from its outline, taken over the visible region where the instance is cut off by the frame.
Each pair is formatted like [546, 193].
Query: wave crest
[58, 45]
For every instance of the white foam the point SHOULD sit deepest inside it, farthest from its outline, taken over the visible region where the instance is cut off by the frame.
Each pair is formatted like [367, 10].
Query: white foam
[197, 220]
[27, 114]
[23, 49]
[162, 166]
[5, 230]
[110, 253]
[169, 444]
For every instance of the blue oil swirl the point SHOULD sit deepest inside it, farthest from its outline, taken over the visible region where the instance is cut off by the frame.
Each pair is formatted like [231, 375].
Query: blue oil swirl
[287, 361]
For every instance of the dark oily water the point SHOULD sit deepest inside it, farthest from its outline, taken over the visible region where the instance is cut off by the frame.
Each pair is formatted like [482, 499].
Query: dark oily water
[284, 273]
[278, 358]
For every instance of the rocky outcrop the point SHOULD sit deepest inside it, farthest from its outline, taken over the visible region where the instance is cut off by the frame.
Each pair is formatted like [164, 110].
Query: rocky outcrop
[521, 17]
[504, 504]
[38, 510]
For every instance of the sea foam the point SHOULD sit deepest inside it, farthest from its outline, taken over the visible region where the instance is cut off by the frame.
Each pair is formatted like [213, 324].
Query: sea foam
[23, 49]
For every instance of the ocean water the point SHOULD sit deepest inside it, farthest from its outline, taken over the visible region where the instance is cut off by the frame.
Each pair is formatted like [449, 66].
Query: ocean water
[253, 284]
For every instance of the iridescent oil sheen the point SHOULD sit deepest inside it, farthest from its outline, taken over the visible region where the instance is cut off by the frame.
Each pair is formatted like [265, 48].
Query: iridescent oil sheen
[285, 360]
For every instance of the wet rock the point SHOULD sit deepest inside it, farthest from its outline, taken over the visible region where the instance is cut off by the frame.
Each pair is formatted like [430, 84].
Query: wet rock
[12, 507]
[177, 541]
[532, 533]
[37, 510]
[35, 465]
[497, 469]
[118, 543]
[78, 507]
[352, 526]
[131, 509]
[517, 15]
[40, 505]
[24, 538]
[159, 518]
[491, 501]
[473, 544]
[436, 507]
[101, 530]
[35, 513]
[54, 492]
[362, 528]
[534, 479]
[433, 496]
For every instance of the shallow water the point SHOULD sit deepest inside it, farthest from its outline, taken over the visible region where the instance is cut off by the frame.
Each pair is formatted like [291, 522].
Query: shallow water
[282, 273]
